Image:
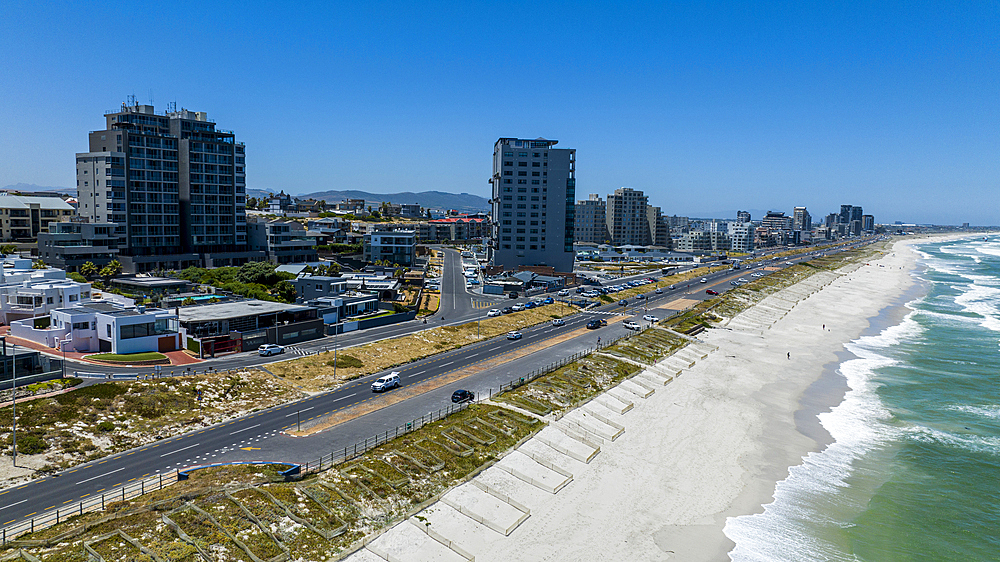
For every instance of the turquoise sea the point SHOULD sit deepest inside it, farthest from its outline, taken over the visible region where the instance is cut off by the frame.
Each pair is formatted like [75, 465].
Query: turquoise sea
[913, 472]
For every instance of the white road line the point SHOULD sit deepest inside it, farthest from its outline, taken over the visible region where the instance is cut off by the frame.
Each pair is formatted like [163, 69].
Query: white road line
[415, 374]
[246, 428]
[334, 400]
[446, 364]
[179, 450]
[12, 505]
[101, 475]
[296, 412]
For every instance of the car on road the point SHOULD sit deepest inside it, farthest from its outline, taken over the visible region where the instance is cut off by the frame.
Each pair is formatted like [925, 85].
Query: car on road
[631, 325]
[594, 324]
[493, 312]
[733, 283]
[672, 287]
[703, 280]
[650, 318]
[623, 302]
[518, 307]
[580, 290]
[513, 335]
[529, 304]
[711, 292]
[382, 384]
[640, 296]
[269, 349]
[462, 396]
[548, 300]
[563, 293]
[658, 291]
[512, 294]
[507, 309]
[558, 322]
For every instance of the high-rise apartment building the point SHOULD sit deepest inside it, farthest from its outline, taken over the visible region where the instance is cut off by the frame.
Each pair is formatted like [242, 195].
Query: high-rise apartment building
[801, 220]
[776, 220]
[534, 204]
[845, 214]
[172, 183]
[742, 217]
[868, 223]
[659, 230]
[591, 220]
[626, 217]
[741, 236]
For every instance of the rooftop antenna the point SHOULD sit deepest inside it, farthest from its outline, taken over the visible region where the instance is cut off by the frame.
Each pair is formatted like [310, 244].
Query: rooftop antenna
[150, 96]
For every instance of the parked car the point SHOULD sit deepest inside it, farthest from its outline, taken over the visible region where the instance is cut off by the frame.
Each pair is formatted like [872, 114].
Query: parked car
[631, 325]
[269, 349]
[493, 312]
[580, 290]
[518, 307]
[711, 292]
[462, 396]
[558, 322]
[385, 383]
[650, 318]
[548, 300]
[513, 335]
[512, 294]
[529, 304]
[563, 293]
[593, 324]
[507, 309]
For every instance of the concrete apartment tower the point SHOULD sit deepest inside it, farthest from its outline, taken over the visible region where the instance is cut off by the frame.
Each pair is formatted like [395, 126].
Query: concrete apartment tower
[533, 204]
[172, 183]
[591, 220]
[626, 217]
[801, 219]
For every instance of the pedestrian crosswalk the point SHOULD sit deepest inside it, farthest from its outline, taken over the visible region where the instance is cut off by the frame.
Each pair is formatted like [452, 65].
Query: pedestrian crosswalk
[292, 350]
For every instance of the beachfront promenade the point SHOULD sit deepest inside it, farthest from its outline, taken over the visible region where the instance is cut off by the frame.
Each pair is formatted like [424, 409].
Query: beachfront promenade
[652, 470]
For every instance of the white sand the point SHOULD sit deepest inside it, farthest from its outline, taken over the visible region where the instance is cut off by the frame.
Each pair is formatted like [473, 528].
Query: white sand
[709, 445]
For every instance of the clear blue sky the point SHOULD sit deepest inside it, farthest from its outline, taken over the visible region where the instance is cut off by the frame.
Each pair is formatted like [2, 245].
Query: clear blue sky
[706, 107]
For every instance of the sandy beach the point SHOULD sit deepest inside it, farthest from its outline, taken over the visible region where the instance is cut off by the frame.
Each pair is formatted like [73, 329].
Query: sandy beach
[708, 445]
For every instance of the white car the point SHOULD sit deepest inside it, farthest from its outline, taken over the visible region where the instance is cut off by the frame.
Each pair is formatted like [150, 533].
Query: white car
[513, 335]
[650, 318]
[563, 293]
[631, 325]
[518, 307]
[558, 322]
[703, 280]
[269, 349]
[385, 383]
[493, 312]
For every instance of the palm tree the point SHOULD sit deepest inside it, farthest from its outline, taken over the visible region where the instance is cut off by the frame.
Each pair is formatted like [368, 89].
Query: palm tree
[110, 270]
[89, 270]
[38, 264]
[8, 249]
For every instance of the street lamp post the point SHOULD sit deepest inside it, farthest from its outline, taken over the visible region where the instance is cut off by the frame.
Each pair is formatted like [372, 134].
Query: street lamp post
[13, 394]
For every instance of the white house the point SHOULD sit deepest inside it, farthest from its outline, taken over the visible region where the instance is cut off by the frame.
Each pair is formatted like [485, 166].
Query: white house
[105, 327]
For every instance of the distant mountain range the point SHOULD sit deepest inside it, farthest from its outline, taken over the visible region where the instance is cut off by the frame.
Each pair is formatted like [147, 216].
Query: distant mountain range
[429, 199]
[31, 188]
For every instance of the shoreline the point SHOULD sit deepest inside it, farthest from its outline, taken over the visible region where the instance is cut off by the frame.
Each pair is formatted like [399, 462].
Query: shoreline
[712, 444]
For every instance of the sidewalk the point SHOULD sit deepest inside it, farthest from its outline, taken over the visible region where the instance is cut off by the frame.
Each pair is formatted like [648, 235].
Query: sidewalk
[176, 357]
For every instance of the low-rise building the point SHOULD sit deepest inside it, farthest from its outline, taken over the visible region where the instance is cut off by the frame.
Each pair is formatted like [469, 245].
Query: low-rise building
[33, 299]
[247, 324]
[283, 241]
[309, 287]
[68, 245]
[23, 217]
[103, 327]
[396, 246]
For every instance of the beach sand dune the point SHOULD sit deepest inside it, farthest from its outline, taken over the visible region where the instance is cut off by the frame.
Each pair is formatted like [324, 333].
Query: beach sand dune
[710, 444]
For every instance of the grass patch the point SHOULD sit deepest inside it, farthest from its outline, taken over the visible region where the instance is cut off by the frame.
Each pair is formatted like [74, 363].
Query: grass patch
[127, 357]
[346, 361]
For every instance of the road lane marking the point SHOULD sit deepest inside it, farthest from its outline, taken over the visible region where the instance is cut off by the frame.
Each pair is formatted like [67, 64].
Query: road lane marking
[415, 374]
[244, 429]
[12, 505]
[345, 397]
[293, 413]
[179, 450]
[101, 475]
[446, 364]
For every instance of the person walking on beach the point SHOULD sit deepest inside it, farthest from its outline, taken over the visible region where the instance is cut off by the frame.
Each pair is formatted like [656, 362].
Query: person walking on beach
[789, 354]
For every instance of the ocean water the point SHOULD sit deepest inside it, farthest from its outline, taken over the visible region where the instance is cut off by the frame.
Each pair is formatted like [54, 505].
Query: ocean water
[913, 472]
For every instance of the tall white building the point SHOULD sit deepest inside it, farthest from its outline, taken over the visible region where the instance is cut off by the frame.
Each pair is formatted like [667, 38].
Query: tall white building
[534, 204]
[741, 236]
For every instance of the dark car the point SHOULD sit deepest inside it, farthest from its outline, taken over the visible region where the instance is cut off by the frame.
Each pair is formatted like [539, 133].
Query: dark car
[623, 302]
[507, 310]
[462, 396]
[640, 296]
[593, 324]
[711, 292]
[512, 294]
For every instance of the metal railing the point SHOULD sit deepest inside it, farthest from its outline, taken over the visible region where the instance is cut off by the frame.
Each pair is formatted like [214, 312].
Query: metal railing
[88, 505]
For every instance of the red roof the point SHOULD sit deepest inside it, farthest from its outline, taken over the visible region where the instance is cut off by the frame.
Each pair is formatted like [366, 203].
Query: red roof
[457, 219]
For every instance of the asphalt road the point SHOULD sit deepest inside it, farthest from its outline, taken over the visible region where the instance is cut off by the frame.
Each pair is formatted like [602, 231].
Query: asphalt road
[260, 436]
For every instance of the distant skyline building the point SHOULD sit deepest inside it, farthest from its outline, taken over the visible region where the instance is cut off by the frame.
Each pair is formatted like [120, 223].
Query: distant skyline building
[533, 205]
[173, 184]
[659, 230]
[776, 220]
[591, 220]
[868, 223]
[801, 220]
[742, 216]
[626, 217]
[741, 236]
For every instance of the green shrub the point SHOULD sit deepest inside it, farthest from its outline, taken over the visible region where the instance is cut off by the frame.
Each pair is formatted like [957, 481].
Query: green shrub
[31, 444]
[105, 426]
[346, 361]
